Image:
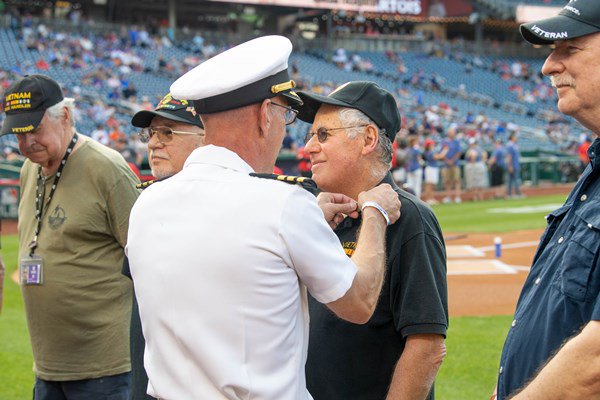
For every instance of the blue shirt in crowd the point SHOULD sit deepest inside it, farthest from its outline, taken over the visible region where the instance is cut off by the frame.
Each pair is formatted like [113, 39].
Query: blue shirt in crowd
[453, 148]
[499, 155]
[430, 159]
[413, 159]
[561, 293]
[513, 151]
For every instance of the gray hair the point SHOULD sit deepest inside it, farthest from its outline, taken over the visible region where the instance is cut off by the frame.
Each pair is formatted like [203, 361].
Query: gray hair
[354, 117]
[57, 111]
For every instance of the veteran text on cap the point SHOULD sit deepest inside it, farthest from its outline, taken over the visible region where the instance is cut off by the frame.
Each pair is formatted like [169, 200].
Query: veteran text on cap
[576, 19]
[243, 75]
[26, 101]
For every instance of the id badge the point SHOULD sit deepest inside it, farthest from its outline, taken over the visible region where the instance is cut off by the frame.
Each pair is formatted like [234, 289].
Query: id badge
[31, 270]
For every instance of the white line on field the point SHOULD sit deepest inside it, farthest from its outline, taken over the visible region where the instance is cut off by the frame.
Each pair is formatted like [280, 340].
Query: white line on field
[510, 246]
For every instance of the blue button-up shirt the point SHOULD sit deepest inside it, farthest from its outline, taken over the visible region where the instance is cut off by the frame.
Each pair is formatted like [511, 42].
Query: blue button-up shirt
[561, 293]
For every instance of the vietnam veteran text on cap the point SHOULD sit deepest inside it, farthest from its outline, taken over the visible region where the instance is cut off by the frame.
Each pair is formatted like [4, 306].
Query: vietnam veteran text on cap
[26, 101]
[169, 108]
[377, 103]
[243, 75]
[578, 18]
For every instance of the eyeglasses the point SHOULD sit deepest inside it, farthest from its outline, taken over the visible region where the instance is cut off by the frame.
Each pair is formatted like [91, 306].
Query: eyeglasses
[323, 133]
[165, 134]
[290, 114]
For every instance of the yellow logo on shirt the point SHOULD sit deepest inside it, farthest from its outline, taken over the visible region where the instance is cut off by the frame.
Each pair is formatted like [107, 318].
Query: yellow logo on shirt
[349, 248]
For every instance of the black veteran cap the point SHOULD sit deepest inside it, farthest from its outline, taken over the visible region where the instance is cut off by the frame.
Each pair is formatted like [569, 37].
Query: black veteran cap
[169, 108]
[377, 103]
[26, 101]
[243, 75]
[578, 18]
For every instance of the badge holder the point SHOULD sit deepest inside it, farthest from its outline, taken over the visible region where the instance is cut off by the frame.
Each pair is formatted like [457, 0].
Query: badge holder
[31, 270]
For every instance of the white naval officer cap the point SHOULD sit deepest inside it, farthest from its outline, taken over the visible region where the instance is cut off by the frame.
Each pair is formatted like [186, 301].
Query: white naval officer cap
[243, 75]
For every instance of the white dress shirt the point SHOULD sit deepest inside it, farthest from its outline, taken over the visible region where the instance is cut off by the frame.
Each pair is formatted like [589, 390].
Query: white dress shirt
[221, 262]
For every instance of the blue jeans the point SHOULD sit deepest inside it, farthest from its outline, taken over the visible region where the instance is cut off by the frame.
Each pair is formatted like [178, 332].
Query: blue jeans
[513, 182]
[115, 387]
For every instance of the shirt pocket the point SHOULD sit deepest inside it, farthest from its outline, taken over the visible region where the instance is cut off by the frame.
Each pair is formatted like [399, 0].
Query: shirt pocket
[581, 254]
[553, 220]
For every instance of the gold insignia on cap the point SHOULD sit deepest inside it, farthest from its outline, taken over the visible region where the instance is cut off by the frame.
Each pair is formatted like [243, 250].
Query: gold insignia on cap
[281, 87]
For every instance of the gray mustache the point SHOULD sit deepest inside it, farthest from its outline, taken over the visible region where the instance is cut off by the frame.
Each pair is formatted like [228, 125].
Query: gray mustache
[562, 81]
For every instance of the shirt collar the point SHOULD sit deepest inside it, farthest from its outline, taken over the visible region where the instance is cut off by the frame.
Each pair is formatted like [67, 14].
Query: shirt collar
[219, 156]
[348, 222]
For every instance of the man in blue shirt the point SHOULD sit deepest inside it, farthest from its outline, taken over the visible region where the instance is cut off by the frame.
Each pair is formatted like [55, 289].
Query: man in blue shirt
[552, 350]
[497, 165]
[514, 166]
[450, 154]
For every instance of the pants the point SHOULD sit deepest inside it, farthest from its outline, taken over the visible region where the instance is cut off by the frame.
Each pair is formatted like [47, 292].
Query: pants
[414, 180]
[513, 182]
[115, 387]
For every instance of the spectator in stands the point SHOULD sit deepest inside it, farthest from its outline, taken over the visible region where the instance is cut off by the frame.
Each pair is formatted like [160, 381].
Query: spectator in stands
[304, 166]
[553, 347]
[450, 154]
[172, 131]
[414, 166]
[497, 166]
[475, 169]
[584, 159]
[289, 144]
[100, 135]
[513, 166]
[432, 171]
[73, 218]
[254, 272]
[397, 353]
[401, 150]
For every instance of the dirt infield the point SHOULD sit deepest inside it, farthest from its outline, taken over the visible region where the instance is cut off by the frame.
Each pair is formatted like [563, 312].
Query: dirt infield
[481, 284]
[9, 227]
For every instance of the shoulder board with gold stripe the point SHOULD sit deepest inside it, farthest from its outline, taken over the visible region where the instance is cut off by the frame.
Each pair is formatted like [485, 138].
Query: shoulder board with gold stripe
[303, 181]
[145, 184]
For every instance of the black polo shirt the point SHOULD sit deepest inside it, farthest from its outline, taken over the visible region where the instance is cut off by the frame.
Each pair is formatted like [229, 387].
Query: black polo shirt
[562, 292]
[349, 361]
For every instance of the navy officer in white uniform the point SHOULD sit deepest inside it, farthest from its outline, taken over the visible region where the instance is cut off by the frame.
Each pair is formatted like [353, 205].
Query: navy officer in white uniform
[222, 260]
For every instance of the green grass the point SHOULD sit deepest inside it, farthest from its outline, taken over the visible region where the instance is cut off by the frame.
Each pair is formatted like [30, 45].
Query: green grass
[476, 216]
[16, 361]
[473, 355]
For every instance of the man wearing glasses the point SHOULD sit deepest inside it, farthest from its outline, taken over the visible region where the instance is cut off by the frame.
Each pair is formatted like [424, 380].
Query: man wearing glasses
[222, 293]
[172, 131]
[397, 353]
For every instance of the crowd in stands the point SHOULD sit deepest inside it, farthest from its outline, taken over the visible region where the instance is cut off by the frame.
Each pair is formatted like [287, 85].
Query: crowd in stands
[106, 63]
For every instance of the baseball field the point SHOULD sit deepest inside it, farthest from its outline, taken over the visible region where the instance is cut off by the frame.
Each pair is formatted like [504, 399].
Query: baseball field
[483, 291]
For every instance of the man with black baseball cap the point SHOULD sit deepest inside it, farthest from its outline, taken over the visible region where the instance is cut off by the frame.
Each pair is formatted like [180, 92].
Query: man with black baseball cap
[172, 131]
[553, 346]
[222, 293]
[76, 195]
[398, 352]
[26, 102]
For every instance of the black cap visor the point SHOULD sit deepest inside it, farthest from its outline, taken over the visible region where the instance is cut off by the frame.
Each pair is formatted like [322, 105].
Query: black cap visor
[23, 122]
[561, 27]
[142, 119]
[293, 99]
[311, 105]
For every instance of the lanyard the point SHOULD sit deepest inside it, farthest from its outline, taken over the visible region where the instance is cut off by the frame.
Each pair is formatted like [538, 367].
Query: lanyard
[40, 193]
